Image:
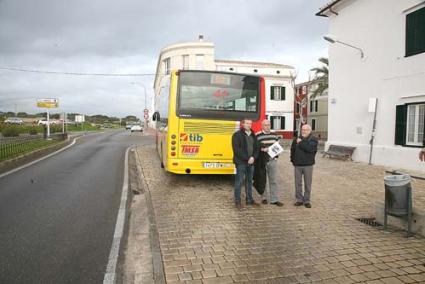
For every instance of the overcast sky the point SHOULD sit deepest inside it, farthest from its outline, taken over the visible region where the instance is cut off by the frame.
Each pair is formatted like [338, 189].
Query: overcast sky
[100, 36]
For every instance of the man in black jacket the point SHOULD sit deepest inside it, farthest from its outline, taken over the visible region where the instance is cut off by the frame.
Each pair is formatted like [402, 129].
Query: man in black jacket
[303, 152]
[245, 151]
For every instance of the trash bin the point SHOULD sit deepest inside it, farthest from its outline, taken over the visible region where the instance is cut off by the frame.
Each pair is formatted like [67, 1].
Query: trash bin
[398, 199]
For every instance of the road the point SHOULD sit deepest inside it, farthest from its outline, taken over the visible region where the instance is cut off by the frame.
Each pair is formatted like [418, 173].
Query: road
[57, 217]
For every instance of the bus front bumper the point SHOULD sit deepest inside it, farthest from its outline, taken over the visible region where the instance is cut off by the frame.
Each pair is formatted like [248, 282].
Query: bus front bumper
[188, 166]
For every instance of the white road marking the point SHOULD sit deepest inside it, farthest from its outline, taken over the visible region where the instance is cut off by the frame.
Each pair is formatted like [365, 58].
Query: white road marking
[38, 160]
[110, 275]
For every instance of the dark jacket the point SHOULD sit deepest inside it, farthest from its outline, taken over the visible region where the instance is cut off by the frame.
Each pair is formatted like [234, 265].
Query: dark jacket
[260, 172]
[240, 147]
[303, 153]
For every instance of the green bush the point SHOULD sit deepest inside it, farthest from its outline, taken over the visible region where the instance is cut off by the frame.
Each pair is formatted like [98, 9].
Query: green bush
[33, 131]
[10, 131]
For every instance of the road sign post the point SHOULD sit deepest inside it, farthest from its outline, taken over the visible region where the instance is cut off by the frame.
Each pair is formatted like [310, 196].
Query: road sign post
[48, 104]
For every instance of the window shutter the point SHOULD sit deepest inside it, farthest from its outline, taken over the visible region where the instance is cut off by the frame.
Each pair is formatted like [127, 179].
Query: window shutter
[283, 93]
[271, 122]
[415, 32]
[400, 125]
[316, 105]
[282, 122]
[272, 92]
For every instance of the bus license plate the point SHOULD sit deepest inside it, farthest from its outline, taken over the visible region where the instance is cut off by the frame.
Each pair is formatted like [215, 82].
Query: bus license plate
[216, 165]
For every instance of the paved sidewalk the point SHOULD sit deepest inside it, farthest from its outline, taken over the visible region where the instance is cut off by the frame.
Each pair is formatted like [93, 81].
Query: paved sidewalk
[204, 239]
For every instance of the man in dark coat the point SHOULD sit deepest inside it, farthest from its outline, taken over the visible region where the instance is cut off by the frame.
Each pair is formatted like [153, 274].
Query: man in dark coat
[303, 152]
[245, 152]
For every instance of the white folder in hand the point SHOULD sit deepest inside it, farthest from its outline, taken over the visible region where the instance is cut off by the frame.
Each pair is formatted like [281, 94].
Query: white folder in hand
[275, 150]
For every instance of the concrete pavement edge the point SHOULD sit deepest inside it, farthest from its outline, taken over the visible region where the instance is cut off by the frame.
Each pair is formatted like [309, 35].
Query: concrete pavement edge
[157, 263]
[111, 274]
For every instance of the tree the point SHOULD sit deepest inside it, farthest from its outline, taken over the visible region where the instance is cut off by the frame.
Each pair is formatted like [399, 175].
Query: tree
[321, 76]
[130, 118]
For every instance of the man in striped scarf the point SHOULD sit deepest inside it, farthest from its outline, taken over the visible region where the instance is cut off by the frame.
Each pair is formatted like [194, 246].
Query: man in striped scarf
[265, 138]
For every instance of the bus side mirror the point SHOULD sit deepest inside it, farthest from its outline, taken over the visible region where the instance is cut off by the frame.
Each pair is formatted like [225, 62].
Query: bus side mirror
[155, 116]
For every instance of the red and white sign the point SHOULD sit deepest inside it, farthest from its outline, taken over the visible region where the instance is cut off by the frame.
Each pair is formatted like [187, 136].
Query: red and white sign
[190, 150]
[221, 93]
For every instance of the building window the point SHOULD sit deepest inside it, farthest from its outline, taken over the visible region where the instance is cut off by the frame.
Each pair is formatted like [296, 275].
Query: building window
[297, 108]
[277, 122]
[185, 59]
[316, 106]
[200, 61]
[255, 70]
[231, 68]
[167, 65]
[311, 106]
[277, 93]
[313, 124]
[409, 128]
[277, 72]
[415, 32]
[415, 125]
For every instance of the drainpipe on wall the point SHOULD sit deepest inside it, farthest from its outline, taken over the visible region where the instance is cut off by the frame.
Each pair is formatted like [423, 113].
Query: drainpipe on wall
[373, 107]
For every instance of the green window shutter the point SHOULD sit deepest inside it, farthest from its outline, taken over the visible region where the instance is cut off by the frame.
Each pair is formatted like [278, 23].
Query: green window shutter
[271, 122]
[400, 125]
[283, 93]
[282, 122]
[415, 32]
[272, 92]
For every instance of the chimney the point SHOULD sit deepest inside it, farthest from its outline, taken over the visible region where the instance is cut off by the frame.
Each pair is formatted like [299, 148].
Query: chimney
[201, 37]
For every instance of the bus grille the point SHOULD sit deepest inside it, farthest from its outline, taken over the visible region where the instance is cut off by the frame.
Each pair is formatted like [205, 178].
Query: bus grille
[209, 128]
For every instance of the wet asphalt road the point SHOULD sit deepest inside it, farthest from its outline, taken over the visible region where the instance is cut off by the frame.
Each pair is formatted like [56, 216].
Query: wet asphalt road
[57, 217]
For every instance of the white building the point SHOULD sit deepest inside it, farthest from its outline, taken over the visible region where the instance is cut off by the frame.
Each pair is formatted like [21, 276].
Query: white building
[391, 34]
[199, 55]
[279, 91]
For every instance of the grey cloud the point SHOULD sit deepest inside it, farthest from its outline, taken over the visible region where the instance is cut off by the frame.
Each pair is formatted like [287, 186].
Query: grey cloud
[126, 36]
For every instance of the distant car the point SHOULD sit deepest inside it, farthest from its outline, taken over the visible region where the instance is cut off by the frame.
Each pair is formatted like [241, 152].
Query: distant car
[128, 126]
[136, 128]
[44, 122]
[14, 120]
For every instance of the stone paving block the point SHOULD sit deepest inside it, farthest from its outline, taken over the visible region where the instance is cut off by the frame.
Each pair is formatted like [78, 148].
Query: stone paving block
[391, 280]
[203, 237]
[406, 279]
[209, 274]
[218, 280]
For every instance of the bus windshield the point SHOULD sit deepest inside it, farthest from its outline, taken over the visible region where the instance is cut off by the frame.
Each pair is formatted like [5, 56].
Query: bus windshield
[206, 94]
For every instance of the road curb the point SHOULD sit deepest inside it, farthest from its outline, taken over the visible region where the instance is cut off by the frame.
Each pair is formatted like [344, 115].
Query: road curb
[111, 275]
[157, 263]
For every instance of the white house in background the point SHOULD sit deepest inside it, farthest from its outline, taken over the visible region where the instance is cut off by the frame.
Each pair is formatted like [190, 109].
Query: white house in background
[279, 91]
[199, 55]
[391, 35]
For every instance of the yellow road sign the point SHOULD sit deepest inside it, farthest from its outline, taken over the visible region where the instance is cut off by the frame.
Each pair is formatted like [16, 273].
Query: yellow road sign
[48, 103]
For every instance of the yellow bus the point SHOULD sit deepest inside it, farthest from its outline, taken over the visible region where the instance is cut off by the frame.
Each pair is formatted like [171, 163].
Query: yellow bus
[197, 112]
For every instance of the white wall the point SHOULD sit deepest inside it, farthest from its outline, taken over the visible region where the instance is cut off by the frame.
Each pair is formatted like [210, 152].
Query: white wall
[281, 108]
[378, 27]
[272, 78]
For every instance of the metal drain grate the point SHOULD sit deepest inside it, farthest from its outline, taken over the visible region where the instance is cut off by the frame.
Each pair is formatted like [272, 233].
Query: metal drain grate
[370, 222]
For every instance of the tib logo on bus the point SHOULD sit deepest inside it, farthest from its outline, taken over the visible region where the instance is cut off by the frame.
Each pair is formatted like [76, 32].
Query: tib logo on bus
[191, 137]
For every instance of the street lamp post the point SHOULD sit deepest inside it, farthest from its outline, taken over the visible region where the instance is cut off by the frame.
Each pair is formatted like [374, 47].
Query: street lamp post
[333, 39]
